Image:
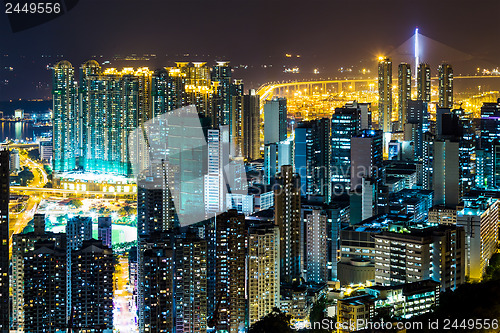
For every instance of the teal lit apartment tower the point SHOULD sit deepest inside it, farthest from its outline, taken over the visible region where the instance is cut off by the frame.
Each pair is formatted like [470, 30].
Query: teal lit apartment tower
[89, 68]
[346, 123]
[64, 118]
[445, 75]
[424, 83]
[385, 94]
[4, 240]
[117, 103]
[404, 92]
[275, 120]
[251, 126]
[312, 158]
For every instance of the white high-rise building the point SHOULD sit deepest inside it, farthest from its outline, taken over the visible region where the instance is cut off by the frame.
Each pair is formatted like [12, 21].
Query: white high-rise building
[218, 158]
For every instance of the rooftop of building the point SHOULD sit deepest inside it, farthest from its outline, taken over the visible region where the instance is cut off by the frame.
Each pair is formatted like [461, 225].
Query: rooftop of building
[96, 177]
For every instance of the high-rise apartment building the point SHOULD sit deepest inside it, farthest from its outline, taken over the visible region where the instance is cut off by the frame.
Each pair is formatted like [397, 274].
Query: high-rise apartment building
[173, 282]
[116, 103]
[316, 244]
[236, 121]
[45, 289]
[92, 286]
[404, 92]
[275, 120]
[346, 123]
[218, 159]
[446, 172]
[385, 94]
[367, 174]
[78, 230]
[445, 75]
[251, 126]
[221, 73]
[424, 83]
[64, 118]
[230, 275]
[191, 283]
[21, 244]
[4, 240]
[479, 218]
[104, 230]
[263, 270]
[287, 217]
[437, 253]
[312, 157]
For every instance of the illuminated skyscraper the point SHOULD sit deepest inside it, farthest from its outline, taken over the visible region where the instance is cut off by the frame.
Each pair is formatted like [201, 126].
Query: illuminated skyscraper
[87, 69]
[221, 73]
[78, 230]
[404, 92]
[317, 251]
[263, 270]
[92, 286]
[367, 174]
[251, 126]
[199, 89]
[424, 83]
[155, 295]
[64, 118]
[191, 284]
[230, 275]
[21, 244]
[437, 253]
[172, 282]
[275, 120]
[385, 94]
[236, 120]
[446, 172]
[479, 217]
[117, 102]
[346, 123]
[445, 73]
[4, 240]
[287, 217]
[488, 154]
[218, 158]
[104, 230]
[312, 157]
[45, 289]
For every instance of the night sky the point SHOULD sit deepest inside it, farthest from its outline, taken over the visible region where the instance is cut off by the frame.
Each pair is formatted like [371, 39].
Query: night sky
[327, 34]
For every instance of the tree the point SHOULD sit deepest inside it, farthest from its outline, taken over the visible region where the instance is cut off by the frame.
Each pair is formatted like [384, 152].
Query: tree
[318, 314]
[276, 321]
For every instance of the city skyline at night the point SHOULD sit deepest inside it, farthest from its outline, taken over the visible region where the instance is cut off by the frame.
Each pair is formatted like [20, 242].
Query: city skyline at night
[248, 167]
